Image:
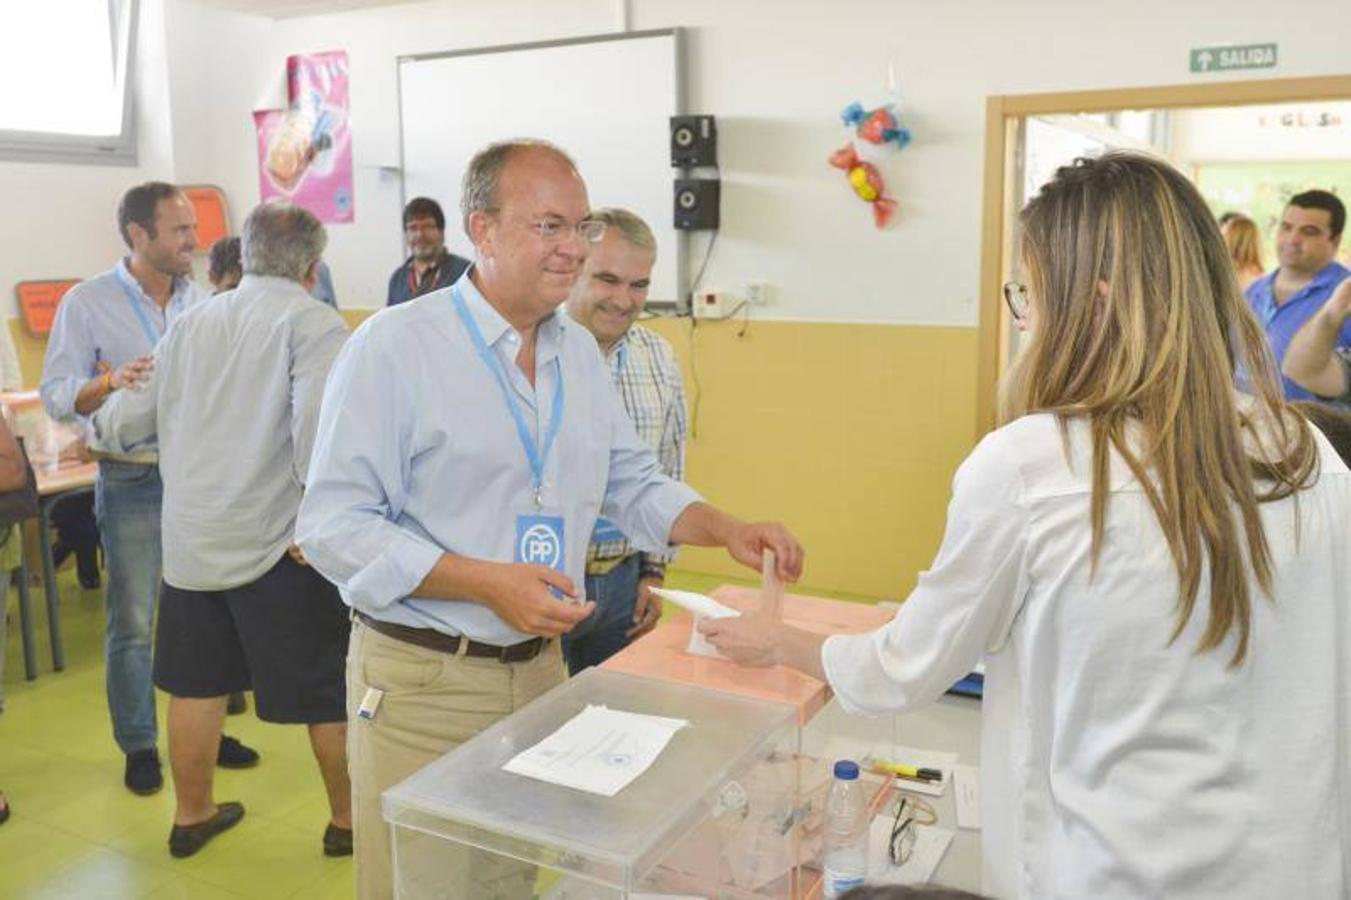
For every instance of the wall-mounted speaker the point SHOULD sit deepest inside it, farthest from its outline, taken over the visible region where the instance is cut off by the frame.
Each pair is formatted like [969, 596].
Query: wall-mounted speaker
[696, 203]
[694, 142]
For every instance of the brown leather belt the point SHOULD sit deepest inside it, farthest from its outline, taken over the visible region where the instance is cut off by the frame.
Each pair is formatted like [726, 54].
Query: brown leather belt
[445, 643]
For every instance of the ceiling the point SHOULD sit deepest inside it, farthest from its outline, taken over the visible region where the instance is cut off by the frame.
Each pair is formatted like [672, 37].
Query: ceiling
[281, 9]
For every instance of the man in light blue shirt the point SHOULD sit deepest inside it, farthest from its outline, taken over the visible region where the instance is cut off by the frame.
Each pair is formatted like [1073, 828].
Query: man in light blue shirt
[101, 341]
[1306, 245]
[468, 441]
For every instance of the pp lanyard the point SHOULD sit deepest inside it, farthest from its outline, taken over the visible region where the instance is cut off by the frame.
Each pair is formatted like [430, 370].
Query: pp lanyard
[535, 456]
[135, 302]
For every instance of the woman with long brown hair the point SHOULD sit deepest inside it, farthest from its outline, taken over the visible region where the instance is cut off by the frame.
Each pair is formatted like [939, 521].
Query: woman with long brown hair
[1154, 567]
[1244, 244]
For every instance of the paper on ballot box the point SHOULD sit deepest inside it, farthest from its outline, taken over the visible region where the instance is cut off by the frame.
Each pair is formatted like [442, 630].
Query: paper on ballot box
[599, 750]
[702, 607]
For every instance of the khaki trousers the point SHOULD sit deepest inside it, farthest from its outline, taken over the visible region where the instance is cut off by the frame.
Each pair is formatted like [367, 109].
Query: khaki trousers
[432, 703]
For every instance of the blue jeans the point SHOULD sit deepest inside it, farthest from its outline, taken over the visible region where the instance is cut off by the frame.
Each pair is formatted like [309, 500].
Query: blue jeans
[127, 507]
[602, 634]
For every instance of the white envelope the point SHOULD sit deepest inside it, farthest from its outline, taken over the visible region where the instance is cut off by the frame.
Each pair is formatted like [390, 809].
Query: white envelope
[702, 607]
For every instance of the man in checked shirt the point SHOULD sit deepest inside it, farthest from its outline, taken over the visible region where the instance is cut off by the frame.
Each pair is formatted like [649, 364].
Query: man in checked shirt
[608, 299]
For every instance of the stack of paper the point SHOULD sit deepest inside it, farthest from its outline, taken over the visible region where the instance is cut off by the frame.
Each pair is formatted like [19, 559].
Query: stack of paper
[599, 750]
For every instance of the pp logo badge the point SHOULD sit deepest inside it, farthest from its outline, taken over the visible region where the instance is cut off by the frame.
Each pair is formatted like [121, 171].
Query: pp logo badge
[539, 545]
[539, 541]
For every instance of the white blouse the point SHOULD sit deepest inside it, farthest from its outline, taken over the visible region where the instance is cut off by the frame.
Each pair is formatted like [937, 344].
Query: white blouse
[1116, 765]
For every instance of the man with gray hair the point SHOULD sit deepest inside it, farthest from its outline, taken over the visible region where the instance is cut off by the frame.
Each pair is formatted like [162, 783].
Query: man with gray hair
[608, 298]
[234, 400]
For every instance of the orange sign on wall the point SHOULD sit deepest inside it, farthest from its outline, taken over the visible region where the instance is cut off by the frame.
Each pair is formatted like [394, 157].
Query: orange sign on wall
[38, 301]
[213, 219]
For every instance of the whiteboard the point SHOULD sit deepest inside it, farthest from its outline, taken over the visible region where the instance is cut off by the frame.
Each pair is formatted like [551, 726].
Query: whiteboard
[606, 100]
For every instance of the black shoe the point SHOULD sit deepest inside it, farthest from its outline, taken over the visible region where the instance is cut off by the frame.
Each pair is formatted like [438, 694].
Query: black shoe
[185, 840]
[237, 704]
[337, 841]
[143, 775]
[87, 568]
[234, 755]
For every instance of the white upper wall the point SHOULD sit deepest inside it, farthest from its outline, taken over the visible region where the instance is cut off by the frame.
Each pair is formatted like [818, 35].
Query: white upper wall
[776, 75]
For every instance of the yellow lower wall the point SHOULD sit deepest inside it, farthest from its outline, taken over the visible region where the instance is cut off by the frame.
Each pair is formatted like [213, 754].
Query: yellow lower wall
[848, 433]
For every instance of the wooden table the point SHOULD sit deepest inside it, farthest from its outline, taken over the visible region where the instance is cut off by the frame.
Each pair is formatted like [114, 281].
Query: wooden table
[53, 486]
[56, 451]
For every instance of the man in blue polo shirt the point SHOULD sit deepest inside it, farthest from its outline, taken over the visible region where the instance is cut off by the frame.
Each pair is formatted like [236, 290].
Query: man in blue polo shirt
[1306, 248]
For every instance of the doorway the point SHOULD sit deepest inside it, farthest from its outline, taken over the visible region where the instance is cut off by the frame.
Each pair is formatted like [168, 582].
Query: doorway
[1028, 136]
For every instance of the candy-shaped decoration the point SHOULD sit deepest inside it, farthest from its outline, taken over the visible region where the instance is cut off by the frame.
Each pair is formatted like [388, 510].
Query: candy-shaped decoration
[876, 126]
[866, 181]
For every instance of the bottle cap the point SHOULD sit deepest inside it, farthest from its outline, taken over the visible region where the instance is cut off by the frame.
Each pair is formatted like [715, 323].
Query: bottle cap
[846, 770]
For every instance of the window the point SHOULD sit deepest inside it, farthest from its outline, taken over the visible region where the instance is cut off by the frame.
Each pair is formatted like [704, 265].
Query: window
[66, 65]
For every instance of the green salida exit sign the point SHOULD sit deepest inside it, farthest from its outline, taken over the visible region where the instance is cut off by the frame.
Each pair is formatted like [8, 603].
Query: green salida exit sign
[1223, 59]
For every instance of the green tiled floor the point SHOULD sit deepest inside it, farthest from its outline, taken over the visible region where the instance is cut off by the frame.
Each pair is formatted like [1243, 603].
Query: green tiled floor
[77, 832]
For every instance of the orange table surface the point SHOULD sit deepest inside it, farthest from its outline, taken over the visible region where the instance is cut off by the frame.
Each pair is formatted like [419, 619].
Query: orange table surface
[662, 655]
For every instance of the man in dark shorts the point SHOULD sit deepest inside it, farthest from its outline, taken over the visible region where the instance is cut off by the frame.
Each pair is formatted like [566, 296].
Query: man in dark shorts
[234, 400]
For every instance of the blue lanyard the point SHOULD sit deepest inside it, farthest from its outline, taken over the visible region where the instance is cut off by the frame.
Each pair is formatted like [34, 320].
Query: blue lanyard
[537, 458]
[135, 302]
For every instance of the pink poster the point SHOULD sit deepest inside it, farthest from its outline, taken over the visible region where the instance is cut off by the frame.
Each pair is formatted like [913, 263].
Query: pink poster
[305, 150]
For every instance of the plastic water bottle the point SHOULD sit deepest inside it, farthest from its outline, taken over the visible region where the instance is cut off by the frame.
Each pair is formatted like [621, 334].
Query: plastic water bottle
[846, 848]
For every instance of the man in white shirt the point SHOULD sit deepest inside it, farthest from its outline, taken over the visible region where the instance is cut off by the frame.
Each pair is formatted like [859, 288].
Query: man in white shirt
[610, 295]
[234, 401]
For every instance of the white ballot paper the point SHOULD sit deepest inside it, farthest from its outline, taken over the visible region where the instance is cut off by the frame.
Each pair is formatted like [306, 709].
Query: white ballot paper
[703, 607]
[930, 844]
[966, 792]
[599, 750]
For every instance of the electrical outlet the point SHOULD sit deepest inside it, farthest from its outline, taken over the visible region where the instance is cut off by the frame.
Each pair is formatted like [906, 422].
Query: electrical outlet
[710, 304]
[757, 293]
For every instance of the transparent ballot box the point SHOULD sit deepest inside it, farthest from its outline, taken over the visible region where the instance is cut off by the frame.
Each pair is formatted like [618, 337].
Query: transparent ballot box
[715, 816]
